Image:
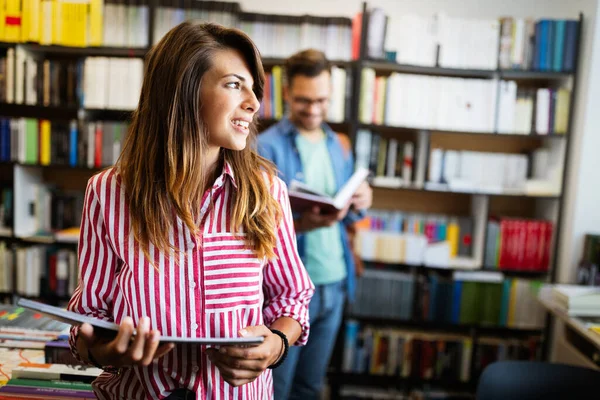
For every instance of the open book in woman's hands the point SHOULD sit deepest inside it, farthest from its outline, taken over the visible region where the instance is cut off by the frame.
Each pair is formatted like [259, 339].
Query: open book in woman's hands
[303, 198]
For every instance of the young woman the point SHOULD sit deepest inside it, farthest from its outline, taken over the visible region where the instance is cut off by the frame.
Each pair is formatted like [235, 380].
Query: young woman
[191, 234]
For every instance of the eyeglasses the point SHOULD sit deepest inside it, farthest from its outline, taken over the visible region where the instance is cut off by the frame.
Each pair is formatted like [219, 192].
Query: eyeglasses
[306, 103]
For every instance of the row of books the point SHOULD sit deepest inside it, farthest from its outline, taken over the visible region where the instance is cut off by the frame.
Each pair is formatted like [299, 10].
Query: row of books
[96, 82]
[524, 111]
[273, 106]
[544, 45]
[518, 244]
[389, 159]
[480, 298]
[170, 13]
[32, 141]
[413, 354]
[427, 102]
[38, 271]
[413, 39]
[27, 79]
[112, 83]
[383, 294]
[456, 42]
[394, 352]
[407, 248]
[457, 104]
[280, 36]
[458, 231]
[472, 170]
[75, 23]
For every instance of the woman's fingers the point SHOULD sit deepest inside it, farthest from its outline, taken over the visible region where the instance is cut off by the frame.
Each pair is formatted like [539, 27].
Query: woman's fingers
[150, 348]
[135, 353]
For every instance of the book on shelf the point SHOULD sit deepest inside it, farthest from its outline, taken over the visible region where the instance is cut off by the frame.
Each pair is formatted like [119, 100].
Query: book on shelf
[303, 198]
[76, 24]
[577, 300]
[54, 371]
[474, 43]
[416, 239]
[426, 356]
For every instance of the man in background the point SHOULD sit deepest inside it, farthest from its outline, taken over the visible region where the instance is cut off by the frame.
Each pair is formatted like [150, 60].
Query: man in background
[306, 149]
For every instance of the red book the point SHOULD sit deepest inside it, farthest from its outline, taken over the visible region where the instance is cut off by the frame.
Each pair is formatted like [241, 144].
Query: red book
[503, 259]
[98, 146]
[548, 240]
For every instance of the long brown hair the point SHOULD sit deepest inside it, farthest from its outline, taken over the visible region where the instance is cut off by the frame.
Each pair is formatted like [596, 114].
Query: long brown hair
[161, 163]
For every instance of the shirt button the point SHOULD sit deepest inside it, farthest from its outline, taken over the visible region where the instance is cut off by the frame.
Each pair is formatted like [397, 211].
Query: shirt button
[195, 368]
[193, 284]
[194, 326]
[191, 245]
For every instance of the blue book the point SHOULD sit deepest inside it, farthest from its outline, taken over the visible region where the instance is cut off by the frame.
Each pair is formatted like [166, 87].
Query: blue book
[559, 44]
[570, 47]
[456, 297]
[5, 140]
[433, 291]
[544, 45]
[537, 51]
[73, 144]
[550, 45]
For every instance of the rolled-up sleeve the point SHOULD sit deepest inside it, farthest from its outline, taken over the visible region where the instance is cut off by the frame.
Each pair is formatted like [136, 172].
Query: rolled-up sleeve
[287, 286]
[97, 263]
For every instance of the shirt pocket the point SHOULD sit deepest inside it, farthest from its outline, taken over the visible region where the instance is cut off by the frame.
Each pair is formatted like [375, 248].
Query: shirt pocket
[232, 273]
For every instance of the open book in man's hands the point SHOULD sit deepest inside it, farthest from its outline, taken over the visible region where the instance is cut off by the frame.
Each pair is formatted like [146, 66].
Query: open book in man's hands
[303, 198]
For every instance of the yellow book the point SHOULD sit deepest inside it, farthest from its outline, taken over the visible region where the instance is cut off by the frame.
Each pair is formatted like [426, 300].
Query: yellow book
[96, 21]
[453, 234]
[45, 142]
[80, 17]
[277, 91]
[45, 22]
[13, 21]
[561, 111]
[56, 22]
[2, 18]
[35, 28]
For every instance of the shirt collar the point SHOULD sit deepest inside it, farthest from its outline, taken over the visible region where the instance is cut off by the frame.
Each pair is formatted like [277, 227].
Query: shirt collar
[227, 172]
[288, 128]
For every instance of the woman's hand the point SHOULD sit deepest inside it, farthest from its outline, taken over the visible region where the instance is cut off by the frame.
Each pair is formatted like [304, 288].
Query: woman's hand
[122, 351]
[241, 365]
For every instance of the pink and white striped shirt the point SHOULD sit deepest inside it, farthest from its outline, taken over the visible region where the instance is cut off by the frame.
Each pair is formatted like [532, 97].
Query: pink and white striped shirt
[217, 287]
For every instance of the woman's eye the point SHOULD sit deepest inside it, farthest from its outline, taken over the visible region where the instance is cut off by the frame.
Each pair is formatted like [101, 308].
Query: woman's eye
[233, 85]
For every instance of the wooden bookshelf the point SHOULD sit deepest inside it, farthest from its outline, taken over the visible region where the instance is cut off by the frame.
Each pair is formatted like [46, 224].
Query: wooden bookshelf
[80, 51]
[486, 135]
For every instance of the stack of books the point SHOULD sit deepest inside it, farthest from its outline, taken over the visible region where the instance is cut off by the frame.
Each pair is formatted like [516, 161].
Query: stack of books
[580, 301]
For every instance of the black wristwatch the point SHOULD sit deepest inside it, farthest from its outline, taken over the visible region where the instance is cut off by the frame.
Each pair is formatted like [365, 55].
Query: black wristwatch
[286, 347]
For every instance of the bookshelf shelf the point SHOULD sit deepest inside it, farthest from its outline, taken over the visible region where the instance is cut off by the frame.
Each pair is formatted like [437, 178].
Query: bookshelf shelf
[415, 324]
[426, 269]
[534, 75]
[38, 112]
[272, 61]
[348, 378]
[466, 192]
[81, 51]
[490, 135]
[388, 67]
[62, 112]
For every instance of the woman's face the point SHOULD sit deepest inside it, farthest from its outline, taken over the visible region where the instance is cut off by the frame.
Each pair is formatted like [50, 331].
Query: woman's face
[228, 101]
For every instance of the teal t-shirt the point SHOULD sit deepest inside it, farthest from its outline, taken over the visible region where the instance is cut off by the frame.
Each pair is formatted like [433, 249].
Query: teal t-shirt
[324, 257]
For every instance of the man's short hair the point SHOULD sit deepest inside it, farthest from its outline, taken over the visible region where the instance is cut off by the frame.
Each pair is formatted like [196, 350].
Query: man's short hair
[308, 62]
